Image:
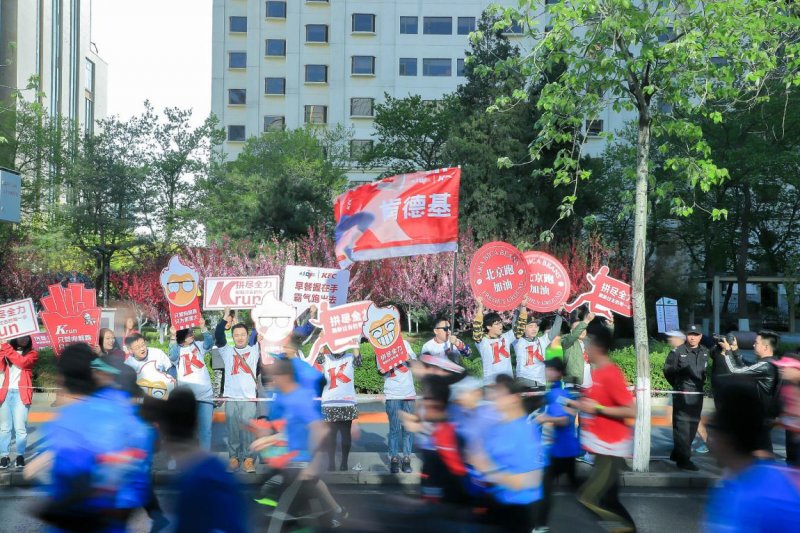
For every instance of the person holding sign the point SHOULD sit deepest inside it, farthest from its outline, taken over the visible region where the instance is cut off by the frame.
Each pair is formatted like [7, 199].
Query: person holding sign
[494, 345]
[17, 359]
[240, 383]
[189, 357]
[339, 409]
[530, 350]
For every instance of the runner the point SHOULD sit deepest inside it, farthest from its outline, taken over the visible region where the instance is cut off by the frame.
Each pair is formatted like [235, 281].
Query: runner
[494, 345]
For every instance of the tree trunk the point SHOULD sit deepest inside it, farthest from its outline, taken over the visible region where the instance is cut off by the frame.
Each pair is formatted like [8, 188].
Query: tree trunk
[743, 252]
[641, 451]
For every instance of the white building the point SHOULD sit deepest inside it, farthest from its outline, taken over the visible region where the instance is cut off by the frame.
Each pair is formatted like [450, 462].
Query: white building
[283, 64]
[51, 40]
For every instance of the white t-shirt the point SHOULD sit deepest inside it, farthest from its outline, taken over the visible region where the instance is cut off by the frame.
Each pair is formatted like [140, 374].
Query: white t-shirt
[496, 355]
[151, 373]
[530, 360]
[153, 354]
[340, 381]
[193, 373]
[398, 383]
[241, 366]
[14, 374]
[435, 348]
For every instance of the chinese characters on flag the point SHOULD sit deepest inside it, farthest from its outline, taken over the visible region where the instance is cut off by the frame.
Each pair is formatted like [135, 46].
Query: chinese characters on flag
[408, 214]
[607, 295]
[498, 273]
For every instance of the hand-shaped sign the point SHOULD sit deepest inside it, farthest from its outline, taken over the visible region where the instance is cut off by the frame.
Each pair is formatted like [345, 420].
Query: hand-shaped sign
[341, 327]
[607, 295]
[71, 315]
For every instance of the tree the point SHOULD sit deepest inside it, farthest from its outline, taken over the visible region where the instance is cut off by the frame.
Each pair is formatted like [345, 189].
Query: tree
[142, 288]
[280, 185]
[411, 134]
[696, 58]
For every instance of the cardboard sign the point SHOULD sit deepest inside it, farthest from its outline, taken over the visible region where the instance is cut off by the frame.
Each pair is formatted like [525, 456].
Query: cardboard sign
[498, 273]
[303, 286]
[382, 329]
[18, 319]
[667, 315]
[42, 340]
[341, 327]
[607, 295]
[71, 315]
[549, 285]
[154, 382]
[238, 293]
[408, 214]
[181, 285]
[274, 321]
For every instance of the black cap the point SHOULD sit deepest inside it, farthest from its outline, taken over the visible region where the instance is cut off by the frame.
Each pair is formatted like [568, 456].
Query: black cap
[556, 363]
[694, 329]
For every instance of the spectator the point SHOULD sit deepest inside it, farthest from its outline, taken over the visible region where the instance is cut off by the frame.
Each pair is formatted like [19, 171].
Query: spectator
[444, 344]
[608, 402]
[17, 359]
[241, 369]
[755, 495]
[530, 351]
[576, 359]
[789, 367]
[111, 354]
[339, 408]
[128, 329]
[764, 375]
[399, 394]
[189, 357]
[685, 370]
[494, 345]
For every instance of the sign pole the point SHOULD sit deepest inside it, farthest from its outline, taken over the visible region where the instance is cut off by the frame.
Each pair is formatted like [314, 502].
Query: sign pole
[453, 302]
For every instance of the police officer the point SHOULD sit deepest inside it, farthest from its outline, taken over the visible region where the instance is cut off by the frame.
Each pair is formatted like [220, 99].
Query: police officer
[685, 369]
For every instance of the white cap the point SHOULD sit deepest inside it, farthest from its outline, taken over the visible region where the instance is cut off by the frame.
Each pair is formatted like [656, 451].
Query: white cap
[675, 333]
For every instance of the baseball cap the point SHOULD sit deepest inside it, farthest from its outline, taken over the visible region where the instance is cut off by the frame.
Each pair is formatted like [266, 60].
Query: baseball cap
[466, 385]
[694, 329]
[789, 360]
[675, 333]
[101, 366]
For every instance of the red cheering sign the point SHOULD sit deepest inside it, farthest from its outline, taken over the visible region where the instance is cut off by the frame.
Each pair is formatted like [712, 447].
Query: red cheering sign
[341, 327]
[498, 273]
[607, 295]
[550, 284]
[71, 315]
[382, 329]
[181, 286]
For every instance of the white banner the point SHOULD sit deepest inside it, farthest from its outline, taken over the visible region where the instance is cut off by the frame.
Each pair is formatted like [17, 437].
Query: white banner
[18, 319]
[303, 286]
[238, 293]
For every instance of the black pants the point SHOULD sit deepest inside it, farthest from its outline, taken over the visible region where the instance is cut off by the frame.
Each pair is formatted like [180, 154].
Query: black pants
[792, 448]
[686, 410]
[513, 518]
[600, 493]
[343, 429]
[557, 467]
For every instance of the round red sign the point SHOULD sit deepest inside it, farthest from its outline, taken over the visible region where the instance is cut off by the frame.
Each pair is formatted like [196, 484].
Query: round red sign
[498, 273]
[549, 282]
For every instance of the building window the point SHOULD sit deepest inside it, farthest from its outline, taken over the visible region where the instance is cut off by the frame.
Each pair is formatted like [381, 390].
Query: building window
[276, 48]
[437, 25]
[362, 107]
[88, 116]
[274, 85]
[594, 127]
[237, 96]
[667, 35]
[276, 10]
[316, 33]
[316, 74]
[237, 24]
[466, 25]
[719, 61]
[274, 123]
[363, 23]
[409, 25]
[236, 133]
[88, 82]
[459, 67]
[408, 66]
[437, 67]
[514, 29]
[358, 147]
[363, 65]
[237, 59]
[316, 114]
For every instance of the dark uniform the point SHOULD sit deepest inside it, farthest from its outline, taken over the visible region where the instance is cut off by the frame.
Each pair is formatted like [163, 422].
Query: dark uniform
[685, 369]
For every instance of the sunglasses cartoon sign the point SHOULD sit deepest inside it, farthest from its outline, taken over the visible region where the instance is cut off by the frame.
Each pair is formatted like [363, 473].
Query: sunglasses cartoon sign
[274, 321]
[181, 287]
[382, 329]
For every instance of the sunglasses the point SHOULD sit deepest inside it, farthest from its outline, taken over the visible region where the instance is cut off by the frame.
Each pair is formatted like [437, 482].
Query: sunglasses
[174, 286]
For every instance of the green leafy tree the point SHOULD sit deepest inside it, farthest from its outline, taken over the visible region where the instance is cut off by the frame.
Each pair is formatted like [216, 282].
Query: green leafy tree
[696, 57]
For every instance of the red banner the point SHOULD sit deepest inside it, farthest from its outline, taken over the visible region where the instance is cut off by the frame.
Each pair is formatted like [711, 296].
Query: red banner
[71, 315]
[382, 329]
[607, 295]
[341, 327]
[549, 285]
[408, 214]
[181, 285]
[498, 273]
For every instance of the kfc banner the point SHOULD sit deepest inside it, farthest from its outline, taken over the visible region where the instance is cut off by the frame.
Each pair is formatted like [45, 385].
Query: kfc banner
[18, 319]
[71, 315]
[341, 327]
[238, 293]
[382, 329]
[181, 285]
[408, 214]
[303, 286]
[607, 295]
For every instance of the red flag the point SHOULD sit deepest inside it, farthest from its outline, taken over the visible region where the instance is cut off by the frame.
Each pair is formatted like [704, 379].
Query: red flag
[408, 214]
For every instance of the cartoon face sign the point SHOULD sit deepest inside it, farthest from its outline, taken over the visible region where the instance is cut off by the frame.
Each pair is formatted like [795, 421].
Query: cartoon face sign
[153, 382]
[274, 320]
[179, 282]
[382, 326]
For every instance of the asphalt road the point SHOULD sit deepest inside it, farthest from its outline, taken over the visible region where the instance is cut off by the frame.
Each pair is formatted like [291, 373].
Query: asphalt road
[654, 511]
